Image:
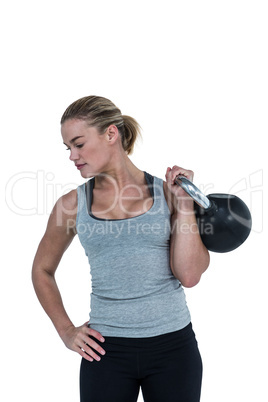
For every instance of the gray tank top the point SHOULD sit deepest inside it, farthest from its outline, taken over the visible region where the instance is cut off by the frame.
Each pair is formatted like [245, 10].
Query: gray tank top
[134, 293]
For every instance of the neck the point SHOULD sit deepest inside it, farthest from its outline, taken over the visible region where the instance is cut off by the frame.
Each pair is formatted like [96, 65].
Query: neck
[121, 172]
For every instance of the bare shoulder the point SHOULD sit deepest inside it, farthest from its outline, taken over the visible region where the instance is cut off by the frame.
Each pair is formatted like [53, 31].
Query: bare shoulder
[64, 212]
[60, 231]
[169, 197]
[68, 202]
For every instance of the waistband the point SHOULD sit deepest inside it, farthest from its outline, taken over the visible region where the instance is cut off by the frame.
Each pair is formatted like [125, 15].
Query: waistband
[179, 337]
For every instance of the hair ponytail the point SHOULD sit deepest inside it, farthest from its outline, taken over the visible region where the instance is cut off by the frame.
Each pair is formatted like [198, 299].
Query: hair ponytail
[131, 131]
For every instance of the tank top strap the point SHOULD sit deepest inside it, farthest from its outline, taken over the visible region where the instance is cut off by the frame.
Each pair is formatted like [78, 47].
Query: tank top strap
[81, 200]
[150, 182]
[159, 196]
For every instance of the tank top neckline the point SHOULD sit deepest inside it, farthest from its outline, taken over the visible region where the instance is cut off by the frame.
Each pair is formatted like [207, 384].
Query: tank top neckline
[89, 186]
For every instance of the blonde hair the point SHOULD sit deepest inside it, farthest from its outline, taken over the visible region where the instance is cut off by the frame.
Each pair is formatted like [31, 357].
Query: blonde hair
[101, 113]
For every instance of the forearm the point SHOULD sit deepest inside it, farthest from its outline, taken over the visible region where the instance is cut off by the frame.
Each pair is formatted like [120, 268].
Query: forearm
[188, 256]
[49, 296]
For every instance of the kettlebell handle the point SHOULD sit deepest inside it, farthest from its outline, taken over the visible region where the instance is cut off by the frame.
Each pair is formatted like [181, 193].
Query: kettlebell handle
[193, 192]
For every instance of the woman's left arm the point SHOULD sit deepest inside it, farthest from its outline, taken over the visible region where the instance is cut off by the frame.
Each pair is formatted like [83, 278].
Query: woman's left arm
[189, 258]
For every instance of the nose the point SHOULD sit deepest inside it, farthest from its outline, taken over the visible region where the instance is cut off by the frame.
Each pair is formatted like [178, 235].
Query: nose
[73, 155]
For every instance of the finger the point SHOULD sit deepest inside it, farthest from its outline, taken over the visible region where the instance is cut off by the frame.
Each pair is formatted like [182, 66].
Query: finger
[95, 334]
[169, 175]
[87, 351]
[86, 356]
[177, 170]
[94, 345]
[167, 171]
[83, 353]
[86, 346]
[90, 352]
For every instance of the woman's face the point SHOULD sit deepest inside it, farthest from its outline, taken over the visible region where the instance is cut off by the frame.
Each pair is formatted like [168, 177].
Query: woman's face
[88, 148]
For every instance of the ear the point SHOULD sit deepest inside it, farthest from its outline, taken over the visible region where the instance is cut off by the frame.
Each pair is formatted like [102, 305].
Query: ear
[112, 134]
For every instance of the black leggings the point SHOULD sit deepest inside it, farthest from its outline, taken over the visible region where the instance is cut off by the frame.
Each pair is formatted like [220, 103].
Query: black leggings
[168, 368]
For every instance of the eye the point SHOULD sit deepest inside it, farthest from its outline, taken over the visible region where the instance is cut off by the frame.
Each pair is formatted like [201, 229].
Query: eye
[77, 146]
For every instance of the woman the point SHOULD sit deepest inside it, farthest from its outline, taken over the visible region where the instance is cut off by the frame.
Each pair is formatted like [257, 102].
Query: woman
[143, 245]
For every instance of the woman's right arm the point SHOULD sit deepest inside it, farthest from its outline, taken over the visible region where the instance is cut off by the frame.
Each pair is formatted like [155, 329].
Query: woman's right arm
[59, 234]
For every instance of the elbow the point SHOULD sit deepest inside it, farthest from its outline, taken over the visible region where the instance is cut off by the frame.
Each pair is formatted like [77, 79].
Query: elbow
[39, 276]
[190, 281]
[35, 276]
[191, 277]
[189, 274]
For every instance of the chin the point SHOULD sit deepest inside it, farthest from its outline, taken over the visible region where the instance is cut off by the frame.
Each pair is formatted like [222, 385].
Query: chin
[87, 175]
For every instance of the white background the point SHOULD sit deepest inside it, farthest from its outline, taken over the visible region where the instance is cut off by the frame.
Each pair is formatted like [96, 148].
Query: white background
[194, 75]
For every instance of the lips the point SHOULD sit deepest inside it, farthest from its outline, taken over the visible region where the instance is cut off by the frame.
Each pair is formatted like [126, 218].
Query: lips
[80, 166]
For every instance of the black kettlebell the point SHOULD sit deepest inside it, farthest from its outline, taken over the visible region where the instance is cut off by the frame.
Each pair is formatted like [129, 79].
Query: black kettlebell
[224, 220]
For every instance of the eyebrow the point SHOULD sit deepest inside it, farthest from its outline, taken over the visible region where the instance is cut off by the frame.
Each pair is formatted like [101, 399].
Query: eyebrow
[74, 139]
